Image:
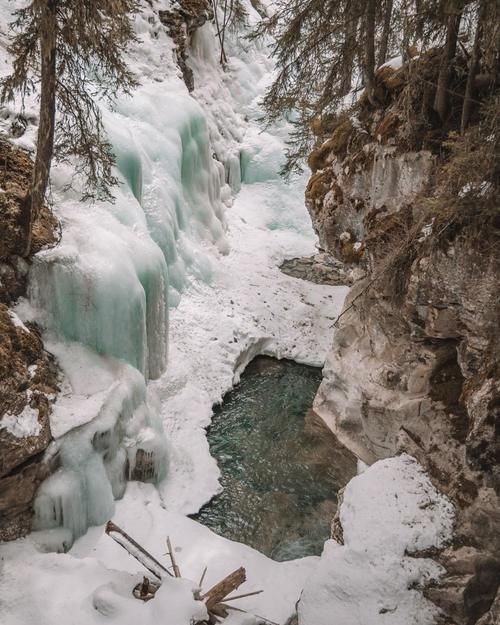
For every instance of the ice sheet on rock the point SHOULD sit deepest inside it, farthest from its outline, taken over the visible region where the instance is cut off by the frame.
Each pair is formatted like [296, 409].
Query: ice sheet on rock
[108, 290]
[16, 321]
[232, 99]
[104, 427]
[261, 156]
[162, 144]
[388, 511]
[88, 380]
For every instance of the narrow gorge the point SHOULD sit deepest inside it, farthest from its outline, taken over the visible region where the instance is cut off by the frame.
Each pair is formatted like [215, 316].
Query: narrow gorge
[276, 344]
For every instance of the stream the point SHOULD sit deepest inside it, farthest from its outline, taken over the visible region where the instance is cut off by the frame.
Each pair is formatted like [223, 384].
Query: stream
[279, 482]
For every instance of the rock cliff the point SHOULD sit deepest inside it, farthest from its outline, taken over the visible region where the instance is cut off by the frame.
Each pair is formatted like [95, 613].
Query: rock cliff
[28, 374]
[411, 208]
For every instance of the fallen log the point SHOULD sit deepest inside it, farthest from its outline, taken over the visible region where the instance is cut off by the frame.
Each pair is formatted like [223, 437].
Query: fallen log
[136, 551]
[227, 585]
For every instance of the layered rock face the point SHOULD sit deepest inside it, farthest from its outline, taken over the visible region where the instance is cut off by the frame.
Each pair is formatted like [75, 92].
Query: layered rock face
[414, 363]
[28, 385]
[28, 374]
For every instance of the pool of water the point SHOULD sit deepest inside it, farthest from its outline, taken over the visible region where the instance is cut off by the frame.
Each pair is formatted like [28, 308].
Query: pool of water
[280, 467]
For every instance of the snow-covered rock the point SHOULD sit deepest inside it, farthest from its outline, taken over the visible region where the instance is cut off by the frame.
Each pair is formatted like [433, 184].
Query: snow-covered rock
[388, 512]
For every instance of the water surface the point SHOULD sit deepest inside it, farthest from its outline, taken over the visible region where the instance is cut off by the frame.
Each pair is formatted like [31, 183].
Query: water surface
[280, 467]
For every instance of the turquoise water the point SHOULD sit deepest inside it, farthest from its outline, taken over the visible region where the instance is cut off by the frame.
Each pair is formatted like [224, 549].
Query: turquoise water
[279, 481]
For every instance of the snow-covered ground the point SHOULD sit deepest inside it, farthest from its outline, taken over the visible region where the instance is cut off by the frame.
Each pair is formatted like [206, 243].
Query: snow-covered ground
[250, 308]
[93, 583]
[389, 511]
[175, 234]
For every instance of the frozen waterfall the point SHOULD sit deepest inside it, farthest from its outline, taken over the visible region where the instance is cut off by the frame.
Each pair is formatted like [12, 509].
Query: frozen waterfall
[108, 286]
[102, 295]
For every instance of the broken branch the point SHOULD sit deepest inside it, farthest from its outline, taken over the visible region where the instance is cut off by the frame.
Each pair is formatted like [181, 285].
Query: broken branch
[230, 583]
[177, 571]
[136, 551]
[246, 594]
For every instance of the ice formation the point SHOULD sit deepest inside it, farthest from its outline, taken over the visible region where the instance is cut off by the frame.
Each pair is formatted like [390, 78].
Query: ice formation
[106, 433]
[107, 284]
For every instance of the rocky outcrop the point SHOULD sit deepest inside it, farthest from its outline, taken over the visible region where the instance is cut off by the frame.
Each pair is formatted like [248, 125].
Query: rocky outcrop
[319, 269]
[28, 385]
[340, 197]
[181, 21]
[15, 176]
[28, 374]
[414, 365]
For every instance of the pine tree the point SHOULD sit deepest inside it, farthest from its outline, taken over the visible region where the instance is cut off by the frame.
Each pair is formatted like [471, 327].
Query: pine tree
[228, 14]
[324, 50]
[321, 49]
[72, 51]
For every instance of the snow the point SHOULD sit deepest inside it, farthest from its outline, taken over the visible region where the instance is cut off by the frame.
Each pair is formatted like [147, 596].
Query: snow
[394, 63]
[23, 424]
[426, 231]
[61, 586]
[17, 321]
[389, 511]
[94, 582]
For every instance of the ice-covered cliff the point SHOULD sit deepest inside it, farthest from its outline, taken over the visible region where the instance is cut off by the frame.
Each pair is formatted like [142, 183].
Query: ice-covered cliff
[413, 365]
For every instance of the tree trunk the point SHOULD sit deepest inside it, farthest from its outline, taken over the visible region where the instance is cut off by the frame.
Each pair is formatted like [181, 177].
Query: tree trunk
[349, 52]
[46, 126]
[384, 40]
[441, 100]
[220, 30]
[408, 27]
[369, 59]
[473, 69]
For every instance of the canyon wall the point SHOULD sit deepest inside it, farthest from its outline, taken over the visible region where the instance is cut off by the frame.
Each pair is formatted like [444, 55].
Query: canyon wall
[414, 363]
[28, 374]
